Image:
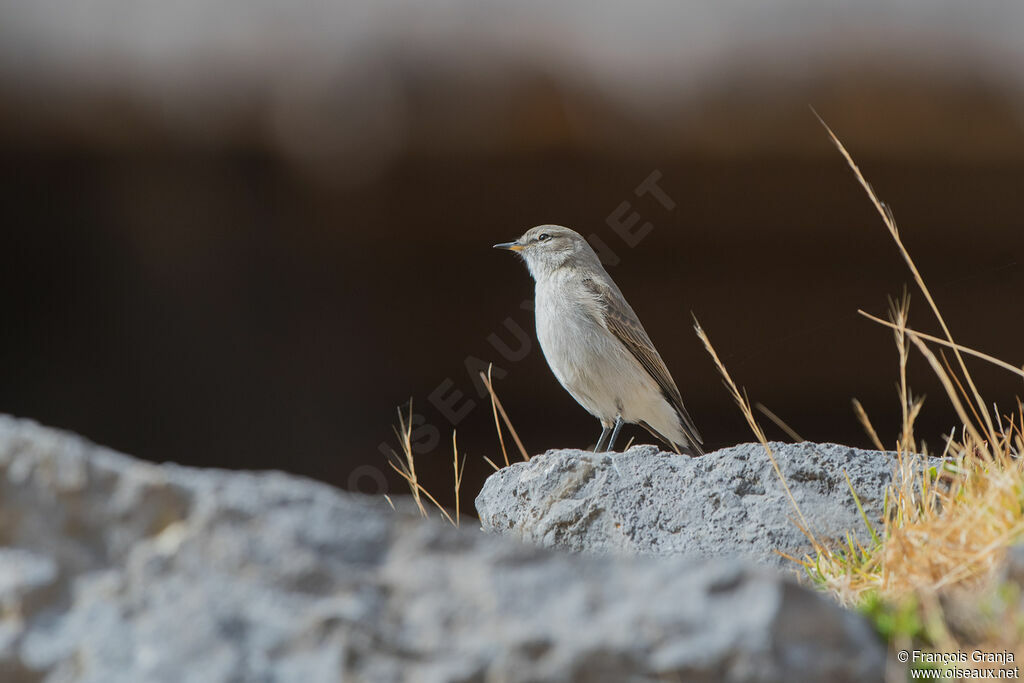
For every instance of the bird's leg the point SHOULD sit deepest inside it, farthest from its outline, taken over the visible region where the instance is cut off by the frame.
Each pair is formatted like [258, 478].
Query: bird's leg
[605, 430]
[615, 433]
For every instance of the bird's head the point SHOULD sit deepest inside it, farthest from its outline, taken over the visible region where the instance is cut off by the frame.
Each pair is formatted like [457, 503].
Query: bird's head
[546, 248]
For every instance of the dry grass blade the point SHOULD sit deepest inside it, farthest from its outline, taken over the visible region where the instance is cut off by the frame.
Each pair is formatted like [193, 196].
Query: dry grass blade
[744, 404]
[862, 415]
[458, 469]
[890, 223]
[947, 384]
[790, 432]
[417, 489]
[959, 347]
[898, 314]
[963, 393]
[405, 466]
[494, 410]
[498, 408]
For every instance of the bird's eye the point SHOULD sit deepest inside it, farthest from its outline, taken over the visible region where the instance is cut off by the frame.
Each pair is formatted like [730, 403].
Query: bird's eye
[543, 237]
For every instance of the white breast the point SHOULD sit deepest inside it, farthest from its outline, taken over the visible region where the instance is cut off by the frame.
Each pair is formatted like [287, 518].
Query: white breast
[592, 365]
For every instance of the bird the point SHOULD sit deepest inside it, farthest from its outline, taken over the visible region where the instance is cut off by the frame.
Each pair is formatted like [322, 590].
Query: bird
[595, 345]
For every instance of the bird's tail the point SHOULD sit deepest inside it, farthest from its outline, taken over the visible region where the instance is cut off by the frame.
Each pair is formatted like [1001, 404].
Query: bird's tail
[690, 447]
[693, 439]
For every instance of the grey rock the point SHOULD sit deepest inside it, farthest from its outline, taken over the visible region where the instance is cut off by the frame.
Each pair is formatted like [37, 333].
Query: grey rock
[116, 570]
[727, 503]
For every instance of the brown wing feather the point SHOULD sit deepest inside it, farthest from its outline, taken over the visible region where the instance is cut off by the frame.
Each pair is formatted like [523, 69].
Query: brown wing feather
[621, 321]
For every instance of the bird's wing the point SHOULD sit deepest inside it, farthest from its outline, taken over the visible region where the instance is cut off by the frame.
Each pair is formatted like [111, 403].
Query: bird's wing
[621, 321]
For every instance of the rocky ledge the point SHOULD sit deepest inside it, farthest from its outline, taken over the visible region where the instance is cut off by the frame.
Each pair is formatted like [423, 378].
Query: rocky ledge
[729, 503]
[114, 570]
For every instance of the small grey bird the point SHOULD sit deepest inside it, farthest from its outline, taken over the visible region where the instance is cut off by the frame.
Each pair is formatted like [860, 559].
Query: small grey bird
[595, 344]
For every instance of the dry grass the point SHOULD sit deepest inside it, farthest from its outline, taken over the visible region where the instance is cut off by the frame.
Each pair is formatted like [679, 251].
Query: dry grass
[947, 523]
[405, 465]
[497, 409]
[929, 575]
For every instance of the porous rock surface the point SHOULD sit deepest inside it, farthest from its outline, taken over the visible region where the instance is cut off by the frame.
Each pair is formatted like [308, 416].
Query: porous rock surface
[726, 503]
[112, 570]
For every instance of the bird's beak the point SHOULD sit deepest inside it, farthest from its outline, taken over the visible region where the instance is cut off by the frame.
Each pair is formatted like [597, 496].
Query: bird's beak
[511, 246]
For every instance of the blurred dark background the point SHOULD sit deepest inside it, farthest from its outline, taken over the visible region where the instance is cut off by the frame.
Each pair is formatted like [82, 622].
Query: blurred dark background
[241, 234]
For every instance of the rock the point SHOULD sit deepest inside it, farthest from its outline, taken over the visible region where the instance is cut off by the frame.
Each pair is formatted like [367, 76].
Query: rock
[727, 503]
[117, 570]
